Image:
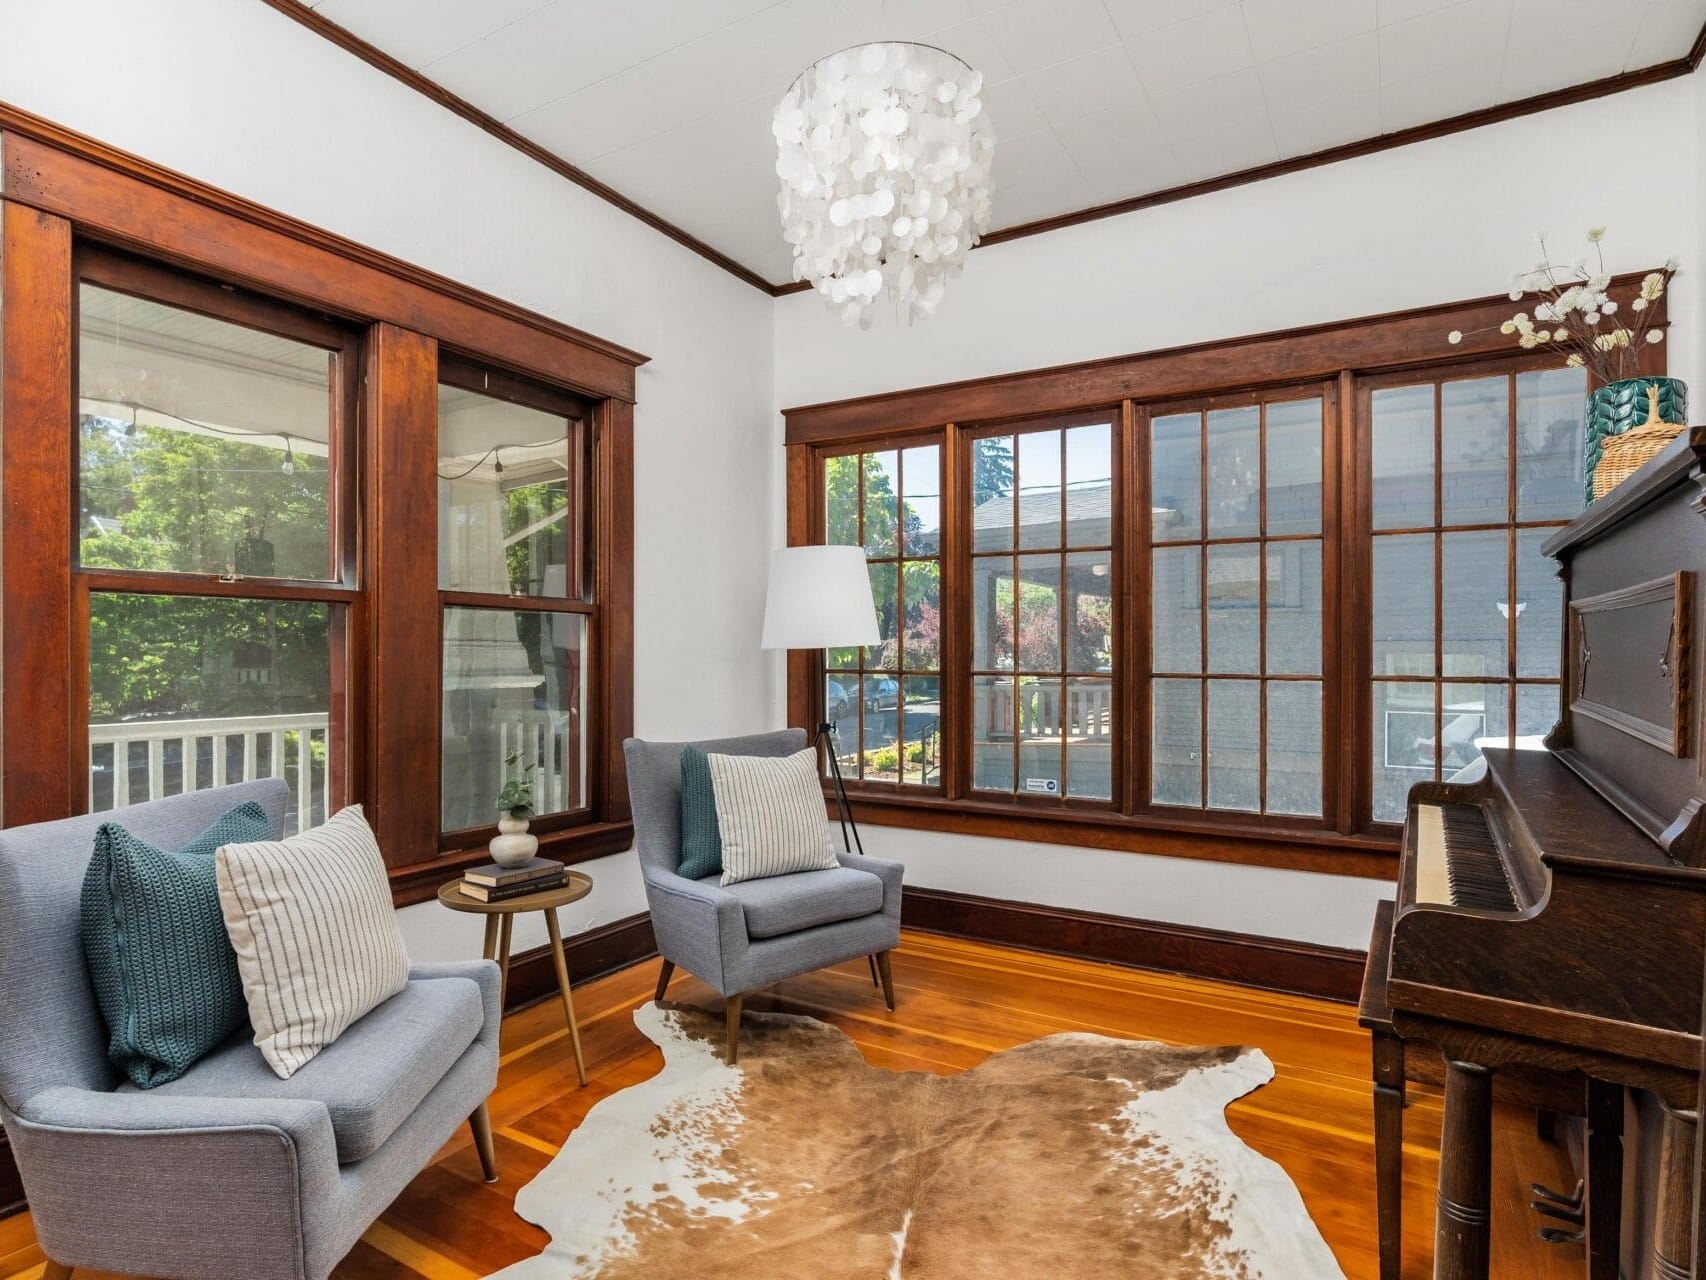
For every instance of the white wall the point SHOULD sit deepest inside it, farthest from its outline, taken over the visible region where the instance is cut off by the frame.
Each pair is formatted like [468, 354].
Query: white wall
[235, 94]
[1428, 223]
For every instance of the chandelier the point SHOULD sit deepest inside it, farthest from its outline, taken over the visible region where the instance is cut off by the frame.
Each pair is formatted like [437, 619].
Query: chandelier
[884, 153]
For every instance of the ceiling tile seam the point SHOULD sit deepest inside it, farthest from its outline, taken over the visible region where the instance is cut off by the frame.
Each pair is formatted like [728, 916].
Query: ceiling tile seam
[451, 53]
[1261, 85]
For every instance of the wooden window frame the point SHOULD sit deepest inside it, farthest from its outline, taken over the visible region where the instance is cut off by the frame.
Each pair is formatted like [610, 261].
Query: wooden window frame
[1334, 357]
[66, 202]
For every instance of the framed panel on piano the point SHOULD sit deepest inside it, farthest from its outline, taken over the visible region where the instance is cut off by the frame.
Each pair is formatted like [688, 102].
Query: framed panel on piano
[1634, 659]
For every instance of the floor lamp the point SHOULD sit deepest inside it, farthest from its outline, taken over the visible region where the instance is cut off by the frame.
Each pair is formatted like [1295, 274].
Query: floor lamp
[820, 598]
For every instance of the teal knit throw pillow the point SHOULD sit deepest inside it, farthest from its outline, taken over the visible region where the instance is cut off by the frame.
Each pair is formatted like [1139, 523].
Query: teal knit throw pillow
[163, 969]
[701, 842]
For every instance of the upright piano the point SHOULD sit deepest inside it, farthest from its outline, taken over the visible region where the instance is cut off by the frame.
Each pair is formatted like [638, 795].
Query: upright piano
[1550, 918]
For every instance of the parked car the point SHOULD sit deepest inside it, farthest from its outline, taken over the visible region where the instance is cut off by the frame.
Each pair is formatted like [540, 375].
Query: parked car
[881, 693]
[836, 700]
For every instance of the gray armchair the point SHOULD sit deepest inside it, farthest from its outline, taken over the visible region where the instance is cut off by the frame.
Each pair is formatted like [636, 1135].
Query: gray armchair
[227, 1171]
[742, 937]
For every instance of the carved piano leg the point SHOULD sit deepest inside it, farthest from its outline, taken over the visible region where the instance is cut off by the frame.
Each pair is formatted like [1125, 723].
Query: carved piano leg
[1604, 1181]
[1389, 1151]
[1461, 1238]
[1673, 1223]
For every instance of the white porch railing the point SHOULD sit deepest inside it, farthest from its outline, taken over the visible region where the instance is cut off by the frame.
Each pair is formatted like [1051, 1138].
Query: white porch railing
[541, 739]
[110, 751]
[1034, 710]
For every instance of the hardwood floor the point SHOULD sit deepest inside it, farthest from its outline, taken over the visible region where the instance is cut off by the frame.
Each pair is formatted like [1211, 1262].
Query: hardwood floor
[958, 1002]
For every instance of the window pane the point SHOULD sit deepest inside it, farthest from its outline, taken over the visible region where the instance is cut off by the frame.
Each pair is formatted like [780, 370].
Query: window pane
[1039, 737]
[202, 445]
[1404, 605]
[1294, 608]
[841, 704]
[1474, 447]
[1475, 590]
[1549, 444]
[921, 716]
[189, 692]
[1294, 467]
[1089, 486]
[1176, 465]
[1234, 744]
[514, 685]
[1039, 613]
[1234, 472]
[841, 500]
[1176, 748]
[880, 747]
[1089, 611]
[1177, 609]
[882, 504]
[1405, 729]
[1090, 725]
[1537, 710]
[1540, 606]
[1471, 716]
[994, 715]
[1040, 511]
[505, 512]
[1294, 748]
[921, 645]
[1403, 440]
[992, 493]
[885, 654]
[992, 613]
[921, 526]
[1235, 607]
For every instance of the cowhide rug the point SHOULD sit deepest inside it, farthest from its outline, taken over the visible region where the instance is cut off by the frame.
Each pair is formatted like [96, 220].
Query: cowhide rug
[1069, 1158]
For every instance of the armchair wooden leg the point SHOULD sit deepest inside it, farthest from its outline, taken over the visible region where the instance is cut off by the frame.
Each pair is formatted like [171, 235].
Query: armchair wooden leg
[888, 979]
[731, 1012]
[56, 1271]
[875, 981]
[481, 1123]
[664, 975]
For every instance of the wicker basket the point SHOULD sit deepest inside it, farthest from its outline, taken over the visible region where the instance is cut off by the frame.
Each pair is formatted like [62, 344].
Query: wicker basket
[1626, 454]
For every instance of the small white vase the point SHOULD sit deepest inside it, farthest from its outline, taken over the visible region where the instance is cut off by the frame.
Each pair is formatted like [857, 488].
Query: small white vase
[512, 846]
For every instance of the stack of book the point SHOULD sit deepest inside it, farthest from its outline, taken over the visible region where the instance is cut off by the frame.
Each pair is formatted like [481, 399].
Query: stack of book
[492, 883]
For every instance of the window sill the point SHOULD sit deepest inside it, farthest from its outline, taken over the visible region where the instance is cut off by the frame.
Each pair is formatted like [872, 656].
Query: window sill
[419, 881]
[1372, 857]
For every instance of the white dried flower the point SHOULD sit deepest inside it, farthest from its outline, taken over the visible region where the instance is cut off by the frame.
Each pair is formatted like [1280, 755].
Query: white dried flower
[1508, 327]
[1516, 294]
[1454, 337]
[1639, 304]
[1655, 335]
[1653, 286]
[1608, 307]
[1574, 360]
[1595, 234]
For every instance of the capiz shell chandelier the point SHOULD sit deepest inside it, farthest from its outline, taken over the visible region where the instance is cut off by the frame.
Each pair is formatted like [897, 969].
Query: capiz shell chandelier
[884, 153]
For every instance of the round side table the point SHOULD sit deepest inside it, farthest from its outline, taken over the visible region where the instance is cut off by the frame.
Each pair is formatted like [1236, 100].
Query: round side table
[501, 915]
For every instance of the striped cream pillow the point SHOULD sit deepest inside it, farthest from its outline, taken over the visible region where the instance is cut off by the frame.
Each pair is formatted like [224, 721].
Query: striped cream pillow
[316, 937]
[770, 814]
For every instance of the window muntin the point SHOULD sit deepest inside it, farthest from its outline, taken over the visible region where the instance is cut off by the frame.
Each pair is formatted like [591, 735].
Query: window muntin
[883, 702]
[203, 445]
[1042, 624]
[1236, 617]
[1470, 474]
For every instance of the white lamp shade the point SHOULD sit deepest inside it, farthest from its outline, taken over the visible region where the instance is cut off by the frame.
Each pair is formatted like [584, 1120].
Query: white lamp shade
[819, 598]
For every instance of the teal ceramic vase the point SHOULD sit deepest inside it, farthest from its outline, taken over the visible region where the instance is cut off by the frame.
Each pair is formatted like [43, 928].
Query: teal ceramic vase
[1618, 406]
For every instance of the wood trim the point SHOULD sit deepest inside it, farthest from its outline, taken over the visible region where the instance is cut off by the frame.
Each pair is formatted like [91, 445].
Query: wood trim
[1333, 973]
[598, 951]
[379, 60]
[612, 682]
[402, 712]
[1392, 340]
[37, 439]
[120, 199]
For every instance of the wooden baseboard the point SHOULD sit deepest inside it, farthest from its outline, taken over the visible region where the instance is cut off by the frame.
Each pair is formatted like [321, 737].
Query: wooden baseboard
[591, 955]
[1334, 973]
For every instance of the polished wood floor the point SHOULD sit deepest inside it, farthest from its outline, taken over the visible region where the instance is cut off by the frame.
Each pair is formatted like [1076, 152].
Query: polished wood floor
[958, 1002]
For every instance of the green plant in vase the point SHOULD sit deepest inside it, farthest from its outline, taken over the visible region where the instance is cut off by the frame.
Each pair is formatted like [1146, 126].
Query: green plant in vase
[1574, 314]
[514, 844]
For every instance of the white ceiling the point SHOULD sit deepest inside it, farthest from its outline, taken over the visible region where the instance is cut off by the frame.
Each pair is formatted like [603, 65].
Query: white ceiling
[669, 101]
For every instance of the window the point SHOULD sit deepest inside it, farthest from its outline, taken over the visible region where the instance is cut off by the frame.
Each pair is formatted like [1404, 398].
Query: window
[1236, 622]
[1042, 619]
[1235, 579]
[512, 528]
[211, 544]
[883, 703]
[1470, 476]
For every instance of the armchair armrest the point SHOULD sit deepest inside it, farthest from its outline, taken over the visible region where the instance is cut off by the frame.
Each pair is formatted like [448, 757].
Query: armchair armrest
[484, 974]
[890, 873]
[227, 1180]
[698, 926]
